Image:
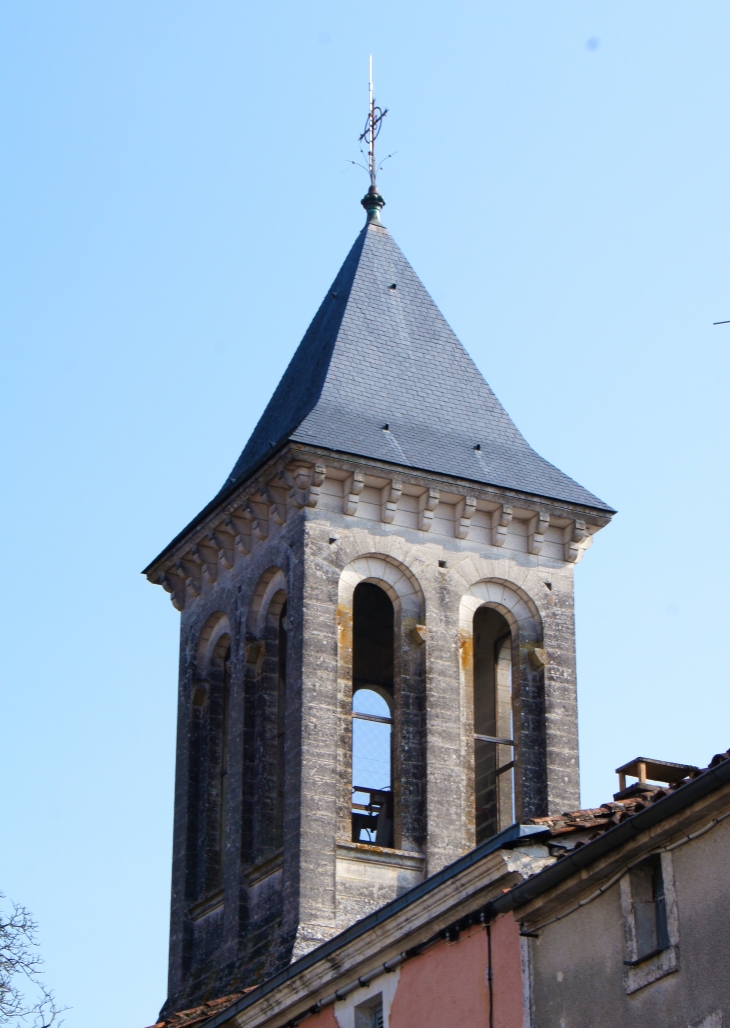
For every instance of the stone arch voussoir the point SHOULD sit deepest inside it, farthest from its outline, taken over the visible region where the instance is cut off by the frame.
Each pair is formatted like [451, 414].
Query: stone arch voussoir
[516, 606]
[395, 578]
[210, 640]
[267, 601]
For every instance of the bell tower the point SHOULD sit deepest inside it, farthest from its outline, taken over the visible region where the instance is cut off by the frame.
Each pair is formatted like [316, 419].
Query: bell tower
[377, 661]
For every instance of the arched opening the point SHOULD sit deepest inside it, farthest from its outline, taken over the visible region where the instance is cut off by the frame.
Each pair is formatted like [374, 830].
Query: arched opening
[372, 715]
[223, 703]
[280, 730]
[262, 821]
[493, 724]
[208, 771]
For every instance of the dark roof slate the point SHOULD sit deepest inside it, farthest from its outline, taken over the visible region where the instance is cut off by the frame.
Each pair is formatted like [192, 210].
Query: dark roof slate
[379, 352]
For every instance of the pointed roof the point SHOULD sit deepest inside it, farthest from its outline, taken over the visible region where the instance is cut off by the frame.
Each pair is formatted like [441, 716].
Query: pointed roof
[380, 353]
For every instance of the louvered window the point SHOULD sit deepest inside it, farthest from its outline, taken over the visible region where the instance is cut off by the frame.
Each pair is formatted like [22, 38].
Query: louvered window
[370, 1013]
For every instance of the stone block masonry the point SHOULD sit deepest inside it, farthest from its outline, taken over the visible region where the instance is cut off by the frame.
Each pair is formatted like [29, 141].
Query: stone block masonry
[265, 866]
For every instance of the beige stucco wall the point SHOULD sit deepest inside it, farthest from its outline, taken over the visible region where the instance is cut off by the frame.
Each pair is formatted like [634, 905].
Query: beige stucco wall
[577, 964]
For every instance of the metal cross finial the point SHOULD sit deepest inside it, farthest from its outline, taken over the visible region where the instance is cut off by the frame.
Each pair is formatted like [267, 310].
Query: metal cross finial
[372, 127]
[373, 201]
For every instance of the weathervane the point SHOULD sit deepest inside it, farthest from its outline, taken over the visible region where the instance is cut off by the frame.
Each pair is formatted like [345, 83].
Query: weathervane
[372, 128]
[372, 201]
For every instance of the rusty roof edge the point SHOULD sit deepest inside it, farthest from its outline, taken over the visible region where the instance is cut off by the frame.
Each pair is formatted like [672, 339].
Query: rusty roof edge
[576, 860]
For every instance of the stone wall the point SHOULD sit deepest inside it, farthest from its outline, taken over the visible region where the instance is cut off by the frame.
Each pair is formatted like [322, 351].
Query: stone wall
[307, 530]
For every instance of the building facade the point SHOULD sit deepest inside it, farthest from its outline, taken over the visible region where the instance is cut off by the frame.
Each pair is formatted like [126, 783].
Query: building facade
[377, 654]
[613, 916]
[629, 929]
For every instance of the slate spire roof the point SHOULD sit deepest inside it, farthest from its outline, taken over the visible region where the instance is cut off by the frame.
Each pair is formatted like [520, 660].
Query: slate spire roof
[379, 353]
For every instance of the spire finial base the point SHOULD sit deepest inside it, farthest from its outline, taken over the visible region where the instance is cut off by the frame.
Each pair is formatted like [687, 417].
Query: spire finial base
[373, 204]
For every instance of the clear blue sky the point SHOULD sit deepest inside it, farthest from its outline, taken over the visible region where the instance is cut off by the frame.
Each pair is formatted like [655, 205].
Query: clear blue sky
[175, 200]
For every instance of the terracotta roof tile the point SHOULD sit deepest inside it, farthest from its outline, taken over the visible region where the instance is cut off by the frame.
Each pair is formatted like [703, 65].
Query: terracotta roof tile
[609, 814]
[196, 1015]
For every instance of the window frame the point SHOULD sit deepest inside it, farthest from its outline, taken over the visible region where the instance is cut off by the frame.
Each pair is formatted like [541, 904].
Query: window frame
[639, 970]
[266, 714]
[409, 727]
[208, 756]
[381, 806]
[504, 751]
[371, 1012]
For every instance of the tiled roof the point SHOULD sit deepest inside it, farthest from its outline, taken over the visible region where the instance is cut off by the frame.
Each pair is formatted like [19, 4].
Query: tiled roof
[196, 1015]
[597, 820]
[379, 352]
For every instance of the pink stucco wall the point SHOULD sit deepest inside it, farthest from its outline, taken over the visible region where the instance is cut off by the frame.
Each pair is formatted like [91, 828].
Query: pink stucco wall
[324, 1019]
[448, 984]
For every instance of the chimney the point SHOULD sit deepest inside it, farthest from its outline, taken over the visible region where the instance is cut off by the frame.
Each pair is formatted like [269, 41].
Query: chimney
[651, 774]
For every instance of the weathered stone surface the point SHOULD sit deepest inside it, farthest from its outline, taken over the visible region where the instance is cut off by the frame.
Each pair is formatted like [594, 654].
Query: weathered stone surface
[273, 893]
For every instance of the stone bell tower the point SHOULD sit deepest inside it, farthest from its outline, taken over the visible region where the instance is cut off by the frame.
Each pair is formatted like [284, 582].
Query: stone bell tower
[377, 666]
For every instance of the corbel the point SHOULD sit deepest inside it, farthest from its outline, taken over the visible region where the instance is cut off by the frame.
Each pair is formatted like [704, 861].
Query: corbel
[353, 487]
[220, 541]
[258, 528]
[536, 532]
[191, 585]
[296, 485]
[462, 515]
[420, 634]
[255, 650]
[208, 569]
[235, 527]
[539, 658]
[389, 496]
[501, 518]
[575, 534]
[304, 484]
[427, 503]
[177, 594]
[276, 515]
[274, 508]
[318, 473]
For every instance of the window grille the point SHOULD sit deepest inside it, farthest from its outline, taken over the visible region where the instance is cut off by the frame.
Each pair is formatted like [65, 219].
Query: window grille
[372, 798]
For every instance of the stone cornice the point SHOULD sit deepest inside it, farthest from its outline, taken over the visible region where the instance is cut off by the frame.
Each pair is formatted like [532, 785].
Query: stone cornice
[414, 476]
[292, 481]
